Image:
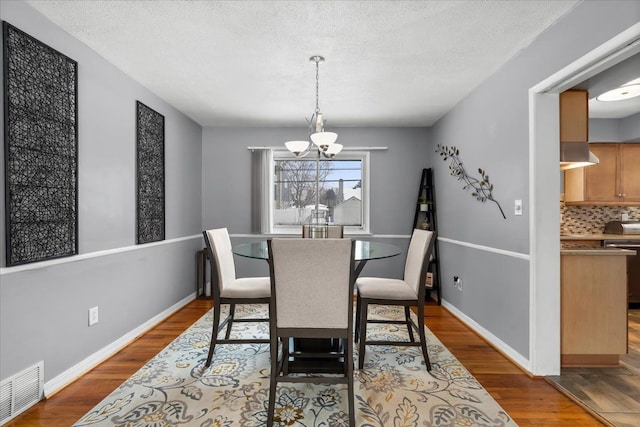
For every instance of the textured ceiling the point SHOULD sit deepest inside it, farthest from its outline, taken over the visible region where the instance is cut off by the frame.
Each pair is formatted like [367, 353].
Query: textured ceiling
[246, 63]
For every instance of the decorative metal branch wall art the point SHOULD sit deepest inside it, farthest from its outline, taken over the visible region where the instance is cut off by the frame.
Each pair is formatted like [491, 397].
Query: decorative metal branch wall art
[482, 188]
[150, 174]
[41, 149]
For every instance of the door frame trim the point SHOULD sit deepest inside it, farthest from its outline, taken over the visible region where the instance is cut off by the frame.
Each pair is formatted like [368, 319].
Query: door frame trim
[544, 192]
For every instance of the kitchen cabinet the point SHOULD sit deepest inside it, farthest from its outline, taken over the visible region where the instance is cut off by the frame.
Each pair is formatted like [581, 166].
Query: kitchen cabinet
[574, 116]
[593, 306]
[615, 180]
[629, 172]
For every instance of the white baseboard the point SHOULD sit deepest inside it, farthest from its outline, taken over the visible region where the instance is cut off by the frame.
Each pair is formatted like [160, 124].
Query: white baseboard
[70, 375]
[496, 342]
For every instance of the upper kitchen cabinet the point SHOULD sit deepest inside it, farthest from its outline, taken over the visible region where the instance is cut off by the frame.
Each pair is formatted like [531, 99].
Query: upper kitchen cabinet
[615, 180]
[574, 116]
[629, 172]
[574, 130]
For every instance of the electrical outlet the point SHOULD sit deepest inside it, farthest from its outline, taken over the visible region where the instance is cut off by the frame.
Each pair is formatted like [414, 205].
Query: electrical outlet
[624, 217]
[93, 316]
[457, 283]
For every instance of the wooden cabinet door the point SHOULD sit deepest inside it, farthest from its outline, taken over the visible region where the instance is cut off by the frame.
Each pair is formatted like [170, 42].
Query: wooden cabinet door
[593, 305]
[629, 172]
[600, 180]
[574, 116]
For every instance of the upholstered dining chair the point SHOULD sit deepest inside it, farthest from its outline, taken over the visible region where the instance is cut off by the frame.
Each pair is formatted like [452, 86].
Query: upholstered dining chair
[228, 289]
[311, 301]
[408, 292]
[332, 231]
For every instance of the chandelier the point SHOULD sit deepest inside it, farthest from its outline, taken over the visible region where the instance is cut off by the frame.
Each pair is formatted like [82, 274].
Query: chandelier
[325, 145]
[324, 142]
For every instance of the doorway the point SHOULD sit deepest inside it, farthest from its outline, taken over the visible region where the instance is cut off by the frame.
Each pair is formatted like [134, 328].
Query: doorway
[544, 188]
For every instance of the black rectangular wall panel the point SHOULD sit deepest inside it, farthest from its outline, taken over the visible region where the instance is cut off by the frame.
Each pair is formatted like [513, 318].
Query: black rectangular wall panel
[41, 149]
[150, 174]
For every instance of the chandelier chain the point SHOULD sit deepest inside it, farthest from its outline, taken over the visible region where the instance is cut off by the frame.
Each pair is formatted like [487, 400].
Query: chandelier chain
[317, 86]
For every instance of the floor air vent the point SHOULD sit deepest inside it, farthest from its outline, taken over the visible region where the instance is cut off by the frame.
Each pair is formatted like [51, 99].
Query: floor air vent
[21, 391]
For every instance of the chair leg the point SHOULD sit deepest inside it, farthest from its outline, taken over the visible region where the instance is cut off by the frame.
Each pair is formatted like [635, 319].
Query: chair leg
[407, 319]
[423, 338]
[272, 384]
[214, 332]
[363, 332]
[232, 313]
[349, 360]
[357, 325]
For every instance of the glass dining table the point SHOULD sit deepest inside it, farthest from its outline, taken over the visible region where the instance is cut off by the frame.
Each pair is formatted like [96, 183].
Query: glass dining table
[364, 251]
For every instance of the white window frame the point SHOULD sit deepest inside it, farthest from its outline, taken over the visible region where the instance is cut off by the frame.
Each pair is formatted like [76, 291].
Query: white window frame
[267, 203]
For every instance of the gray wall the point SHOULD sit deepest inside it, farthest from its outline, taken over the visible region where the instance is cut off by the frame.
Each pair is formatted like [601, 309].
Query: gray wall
[604, 130]
[44, 308]
[615, 130]
[395, 178]
[630, 128]
[491, 129]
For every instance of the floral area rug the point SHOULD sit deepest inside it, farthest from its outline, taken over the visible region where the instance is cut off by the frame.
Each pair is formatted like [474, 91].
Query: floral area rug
[393, 389]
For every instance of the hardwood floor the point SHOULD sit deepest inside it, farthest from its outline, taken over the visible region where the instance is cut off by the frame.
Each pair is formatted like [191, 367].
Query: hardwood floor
[632, 359]
[531, 402]
[614, 393]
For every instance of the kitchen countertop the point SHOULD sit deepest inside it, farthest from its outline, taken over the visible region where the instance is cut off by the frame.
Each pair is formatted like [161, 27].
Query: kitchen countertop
[574, 248]
[599, 236]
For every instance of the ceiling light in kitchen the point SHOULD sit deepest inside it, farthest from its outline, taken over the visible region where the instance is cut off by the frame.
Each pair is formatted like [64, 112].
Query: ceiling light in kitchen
[626, 91]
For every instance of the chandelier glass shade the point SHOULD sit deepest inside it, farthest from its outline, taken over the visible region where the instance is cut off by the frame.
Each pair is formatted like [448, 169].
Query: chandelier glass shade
[333, 150]
[297, 147]
[324, 140]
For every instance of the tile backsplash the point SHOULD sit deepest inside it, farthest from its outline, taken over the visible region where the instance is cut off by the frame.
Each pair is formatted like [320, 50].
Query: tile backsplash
[591, 219]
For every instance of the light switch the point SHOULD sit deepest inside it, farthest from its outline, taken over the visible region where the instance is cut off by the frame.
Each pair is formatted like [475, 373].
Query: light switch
[93, 316]
[517, 207]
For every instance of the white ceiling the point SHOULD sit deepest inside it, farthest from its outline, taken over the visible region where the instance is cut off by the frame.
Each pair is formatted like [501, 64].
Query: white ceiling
[246, 63]
[617, 75]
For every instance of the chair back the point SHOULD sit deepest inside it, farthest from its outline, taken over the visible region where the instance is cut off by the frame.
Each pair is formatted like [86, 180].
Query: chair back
[335, 231]
[221, 256]
[418, 254]
[312, 282]
[322, 231]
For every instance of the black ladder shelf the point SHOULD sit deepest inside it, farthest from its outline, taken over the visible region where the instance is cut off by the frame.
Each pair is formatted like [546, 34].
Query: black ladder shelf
[425, 218]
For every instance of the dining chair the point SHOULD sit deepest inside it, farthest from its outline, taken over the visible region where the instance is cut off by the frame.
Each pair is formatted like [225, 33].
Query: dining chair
[228, 289]
[330, 231]
[312, 298]
[407, 292]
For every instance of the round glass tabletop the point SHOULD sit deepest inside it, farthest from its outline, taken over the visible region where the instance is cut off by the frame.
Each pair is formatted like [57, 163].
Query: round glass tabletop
[364, 250]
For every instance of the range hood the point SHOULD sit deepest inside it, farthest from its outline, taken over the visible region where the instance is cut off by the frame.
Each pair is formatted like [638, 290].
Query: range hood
[576, 155]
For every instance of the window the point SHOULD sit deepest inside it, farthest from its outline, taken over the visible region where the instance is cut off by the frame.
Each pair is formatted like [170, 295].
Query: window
[342, 195]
